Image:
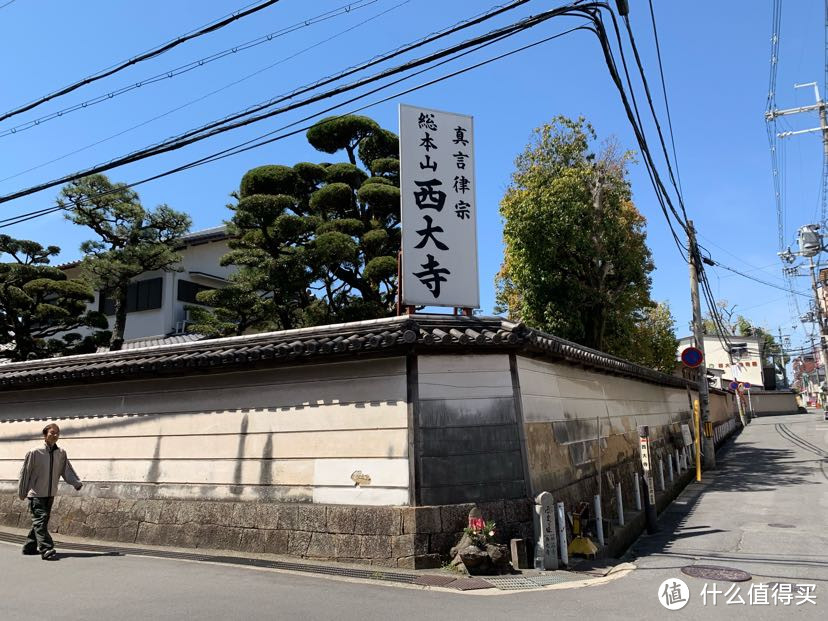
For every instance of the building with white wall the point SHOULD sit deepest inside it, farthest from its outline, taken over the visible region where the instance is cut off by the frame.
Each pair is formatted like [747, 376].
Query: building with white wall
[156, 300]
[740, 358]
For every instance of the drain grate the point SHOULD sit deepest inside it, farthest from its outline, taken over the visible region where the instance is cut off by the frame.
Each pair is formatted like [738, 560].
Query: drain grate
[434, 580]
[556, 578]
[714, 572]
[469, 584]
[366, 574]
[512, 583]
[782, 525]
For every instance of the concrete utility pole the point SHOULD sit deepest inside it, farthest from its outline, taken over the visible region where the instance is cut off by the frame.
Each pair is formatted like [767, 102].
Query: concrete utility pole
[823, 348]
[708, 449]
[782, 354]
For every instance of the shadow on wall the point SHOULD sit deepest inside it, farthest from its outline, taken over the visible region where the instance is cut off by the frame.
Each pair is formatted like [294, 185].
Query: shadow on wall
[265, 472]
[237, 488]
[154, 472]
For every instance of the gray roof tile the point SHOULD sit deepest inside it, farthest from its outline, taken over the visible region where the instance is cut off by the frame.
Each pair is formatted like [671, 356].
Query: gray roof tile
[391, 335]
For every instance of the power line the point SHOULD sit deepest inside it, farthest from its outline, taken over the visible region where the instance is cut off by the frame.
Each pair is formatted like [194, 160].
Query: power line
[219, 127]
[633, 117]
[261, 141]
[210, 93]
[212, 27]
[664, 91]
[187, 67]
[3, 6]
[641, 72]
[759, 280]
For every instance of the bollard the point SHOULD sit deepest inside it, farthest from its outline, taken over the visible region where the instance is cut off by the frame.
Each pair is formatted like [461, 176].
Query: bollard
[670, 468]
[637, 489]
[563, 545]
[619, 502]
[661, 486]
[599, 520]
[678, 462]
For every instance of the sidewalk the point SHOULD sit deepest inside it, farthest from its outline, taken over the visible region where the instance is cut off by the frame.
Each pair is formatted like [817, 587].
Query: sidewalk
[590, 575]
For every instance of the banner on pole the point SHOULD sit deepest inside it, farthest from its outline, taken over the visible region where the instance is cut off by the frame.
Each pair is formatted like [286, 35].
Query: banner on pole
[439, 210]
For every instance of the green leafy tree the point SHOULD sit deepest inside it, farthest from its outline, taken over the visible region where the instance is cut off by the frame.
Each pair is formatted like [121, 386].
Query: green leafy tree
[40, 307]
[131, 239]
[576, 260]
[315, 243]
[654, 342]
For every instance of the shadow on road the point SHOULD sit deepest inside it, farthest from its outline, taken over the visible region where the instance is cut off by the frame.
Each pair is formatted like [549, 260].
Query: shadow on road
[750, 468]
[63, 555]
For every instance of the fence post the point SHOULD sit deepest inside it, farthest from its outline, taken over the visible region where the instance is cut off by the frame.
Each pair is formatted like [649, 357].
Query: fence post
[599, 520]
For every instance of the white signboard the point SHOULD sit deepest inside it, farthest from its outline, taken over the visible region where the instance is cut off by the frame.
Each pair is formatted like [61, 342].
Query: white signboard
[686, 436]
[439, 211]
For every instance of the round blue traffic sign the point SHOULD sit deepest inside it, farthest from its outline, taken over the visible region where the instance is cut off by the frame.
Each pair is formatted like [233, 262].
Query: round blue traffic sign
[692, 357]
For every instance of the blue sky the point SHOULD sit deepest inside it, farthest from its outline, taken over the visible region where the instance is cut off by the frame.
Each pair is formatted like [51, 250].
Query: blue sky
[716, 62]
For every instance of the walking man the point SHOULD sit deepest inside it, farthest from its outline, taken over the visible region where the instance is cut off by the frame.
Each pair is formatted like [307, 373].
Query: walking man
[39, 476]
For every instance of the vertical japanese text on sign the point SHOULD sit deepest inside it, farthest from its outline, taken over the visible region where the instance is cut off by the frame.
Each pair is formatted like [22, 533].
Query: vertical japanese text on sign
[439, 216]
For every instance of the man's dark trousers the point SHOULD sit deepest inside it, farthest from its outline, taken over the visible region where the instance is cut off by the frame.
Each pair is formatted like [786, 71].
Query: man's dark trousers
[39, 539]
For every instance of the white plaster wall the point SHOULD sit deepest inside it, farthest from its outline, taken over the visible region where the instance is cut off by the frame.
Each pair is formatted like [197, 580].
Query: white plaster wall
[559, 392]
[300, 431]
[773, 402]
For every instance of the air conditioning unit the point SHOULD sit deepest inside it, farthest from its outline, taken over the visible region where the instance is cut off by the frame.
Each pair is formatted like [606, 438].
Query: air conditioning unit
[181, 326]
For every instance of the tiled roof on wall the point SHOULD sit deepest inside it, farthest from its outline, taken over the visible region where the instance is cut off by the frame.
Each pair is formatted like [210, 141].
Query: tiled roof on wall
[388, 336]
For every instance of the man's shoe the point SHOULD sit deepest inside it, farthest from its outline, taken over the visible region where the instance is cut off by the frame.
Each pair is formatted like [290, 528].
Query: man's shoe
[30, 552]
[48, 554]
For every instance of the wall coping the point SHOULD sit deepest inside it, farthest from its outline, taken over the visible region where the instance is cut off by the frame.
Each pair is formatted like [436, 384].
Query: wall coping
[420, 334]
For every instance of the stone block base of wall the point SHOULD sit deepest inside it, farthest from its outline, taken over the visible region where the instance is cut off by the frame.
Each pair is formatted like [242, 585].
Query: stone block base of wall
[406, 537]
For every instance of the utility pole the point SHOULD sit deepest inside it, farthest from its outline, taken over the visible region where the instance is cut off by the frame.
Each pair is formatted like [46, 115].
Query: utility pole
[782, 354]
[708, 449]
[823, 349]
[820, 108]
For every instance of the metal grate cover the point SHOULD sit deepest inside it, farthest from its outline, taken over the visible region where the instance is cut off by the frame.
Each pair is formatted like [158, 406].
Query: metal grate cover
[469, 584]
[434, 580]
[511, 583]
[715, 572]
[556, 578]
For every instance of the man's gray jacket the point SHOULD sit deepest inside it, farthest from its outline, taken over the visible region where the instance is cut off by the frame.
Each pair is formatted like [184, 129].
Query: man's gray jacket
[41, 470]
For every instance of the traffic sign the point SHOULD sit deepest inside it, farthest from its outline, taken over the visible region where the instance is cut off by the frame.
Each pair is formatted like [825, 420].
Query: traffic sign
[692, 357]
[733, 385]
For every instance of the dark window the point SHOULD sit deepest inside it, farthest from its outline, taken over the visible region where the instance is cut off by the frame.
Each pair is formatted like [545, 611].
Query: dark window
[187, 291]
[142, 295]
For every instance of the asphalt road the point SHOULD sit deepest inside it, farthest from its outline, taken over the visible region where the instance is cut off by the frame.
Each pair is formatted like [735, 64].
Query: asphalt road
[764, 511]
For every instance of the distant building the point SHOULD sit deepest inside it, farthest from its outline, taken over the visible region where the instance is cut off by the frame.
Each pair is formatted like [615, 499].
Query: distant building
[742, 361]
[156, 300]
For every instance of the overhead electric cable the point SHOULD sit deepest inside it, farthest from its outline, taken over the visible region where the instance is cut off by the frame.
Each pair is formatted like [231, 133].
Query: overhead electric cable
[157, 51]
[759, 280]
[664, 92]
[187, 67]
[210, 93]
[658, 185]
[261, 141]
[197, 135]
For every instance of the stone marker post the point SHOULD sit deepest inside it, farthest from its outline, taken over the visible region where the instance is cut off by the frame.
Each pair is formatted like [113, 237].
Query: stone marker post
[546, 548]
